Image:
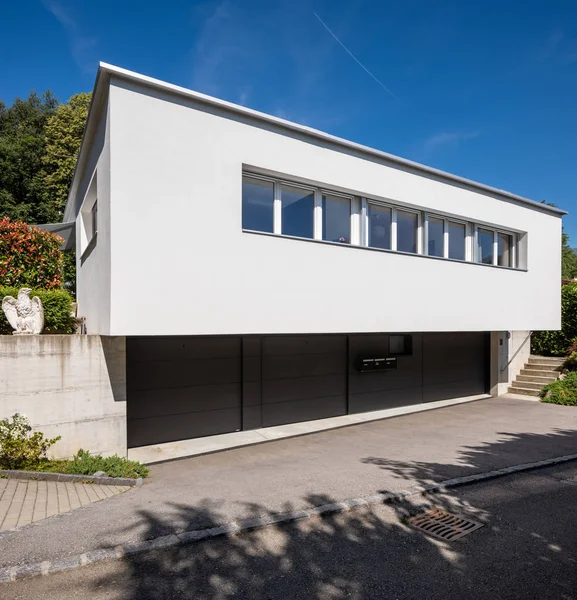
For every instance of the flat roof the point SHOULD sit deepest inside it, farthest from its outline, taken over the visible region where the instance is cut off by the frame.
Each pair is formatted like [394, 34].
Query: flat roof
[105, 71]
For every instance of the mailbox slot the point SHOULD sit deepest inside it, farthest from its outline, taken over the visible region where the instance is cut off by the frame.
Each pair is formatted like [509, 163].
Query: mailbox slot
[376, 364]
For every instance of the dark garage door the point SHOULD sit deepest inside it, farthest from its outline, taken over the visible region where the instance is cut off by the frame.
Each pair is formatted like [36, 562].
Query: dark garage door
[182, 387]
[303, 378]
[454, 365]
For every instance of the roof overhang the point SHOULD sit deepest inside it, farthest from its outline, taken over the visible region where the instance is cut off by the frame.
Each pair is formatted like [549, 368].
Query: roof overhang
[106, 71]
[67, 231]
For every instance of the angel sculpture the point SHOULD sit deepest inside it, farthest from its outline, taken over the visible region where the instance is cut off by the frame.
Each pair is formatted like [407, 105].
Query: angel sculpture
[25, 314]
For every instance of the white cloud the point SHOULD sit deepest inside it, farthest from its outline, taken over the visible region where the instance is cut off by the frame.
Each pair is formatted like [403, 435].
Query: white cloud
[81, 46]
[448, 138]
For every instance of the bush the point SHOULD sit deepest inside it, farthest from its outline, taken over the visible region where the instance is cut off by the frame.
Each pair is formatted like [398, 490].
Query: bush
[570, 363]
[556, 343]
[562, 391]
[57, 305]
[20, 448]
[29, 257]
[84, 463]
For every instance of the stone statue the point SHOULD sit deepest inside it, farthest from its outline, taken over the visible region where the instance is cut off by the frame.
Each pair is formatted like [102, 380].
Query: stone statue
[24, 314]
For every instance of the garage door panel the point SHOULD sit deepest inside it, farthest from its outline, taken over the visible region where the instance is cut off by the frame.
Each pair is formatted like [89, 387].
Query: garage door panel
[454, 365]
[285, 390]
[293, 345]
[303, 410]
[380, 400]
[180, 373]
[301, 365]
[181, 388]
[170, 428]
[303, 378]
[159, 348]
[159, 402]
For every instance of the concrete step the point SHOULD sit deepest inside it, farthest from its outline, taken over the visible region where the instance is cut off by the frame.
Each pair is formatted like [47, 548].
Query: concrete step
[538, 367]
[531, 385]
[524, 391]
[543, 380]
[553, 361]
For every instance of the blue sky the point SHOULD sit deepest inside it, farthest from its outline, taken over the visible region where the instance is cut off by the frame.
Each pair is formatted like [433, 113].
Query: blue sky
[486, 90]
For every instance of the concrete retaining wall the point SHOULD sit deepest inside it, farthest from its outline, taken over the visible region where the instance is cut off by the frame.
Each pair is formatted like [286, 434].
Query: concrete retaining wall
[68, 385]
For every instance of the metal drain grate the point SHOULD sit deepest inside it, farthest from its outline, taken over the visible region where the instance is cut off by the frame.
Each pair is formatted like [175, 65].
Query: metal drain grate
[443, 525]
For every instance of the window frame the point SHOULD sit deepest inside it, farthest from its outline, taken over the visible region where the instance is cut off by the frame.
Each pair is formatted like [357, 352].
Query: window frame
[446, 241]
[366, 202]
[359, 225]
[319, 215]
[261, 178]
[394, 230]
[496, 231]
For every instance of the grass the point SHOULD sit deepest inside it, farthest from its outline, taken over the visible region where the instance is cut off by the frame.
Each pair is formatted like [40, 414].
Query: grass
[83, 463]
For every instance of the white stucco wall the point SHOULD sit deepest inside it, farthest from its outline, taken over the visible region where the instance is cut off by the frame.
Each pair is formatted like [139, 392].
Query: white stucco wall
[180, 263]
[68, 385]
[93, 263]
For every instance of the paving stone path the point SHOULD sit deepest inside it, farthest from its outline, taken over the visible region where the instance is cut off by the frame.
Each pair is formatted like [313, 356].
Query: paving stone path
[26, 501]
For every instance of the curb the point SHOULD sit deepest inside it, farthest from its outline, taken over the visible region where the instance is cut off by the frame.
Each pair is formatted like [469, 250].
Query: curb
[8, 574]
[42, 476]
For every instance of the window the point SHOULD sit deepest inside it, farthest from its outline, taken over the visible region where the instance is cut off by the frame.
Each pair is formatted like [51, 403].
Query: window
[336, 219]
[435, 236]
[485, 246]
[457, 240]
[401, 345]
[379, 226]
[297, 211]
[257, 204]
[309, 211]
[94, 215]
[407, 227]
[505, 250]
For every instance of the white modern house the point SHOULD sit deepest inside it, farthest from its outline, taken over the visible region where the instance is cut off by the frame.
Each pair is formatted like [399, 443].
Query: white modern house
[260, 273]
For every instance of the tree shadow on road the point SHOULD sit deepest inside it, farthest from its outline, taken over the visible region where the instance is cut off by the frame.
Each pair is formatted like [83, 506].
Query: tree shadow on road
[371, 552]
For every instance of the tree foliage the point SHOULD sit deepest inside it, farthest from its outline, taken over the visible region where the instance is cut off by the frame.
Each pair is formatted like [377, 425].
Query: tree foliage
[63, 133]
[568, 259]
[29, 256]
[22, 143]
[557, 343]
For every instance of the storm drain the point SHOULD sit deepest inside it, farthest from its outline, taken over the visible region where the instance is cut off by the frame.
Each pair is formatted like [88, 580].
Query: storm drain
[443, 525]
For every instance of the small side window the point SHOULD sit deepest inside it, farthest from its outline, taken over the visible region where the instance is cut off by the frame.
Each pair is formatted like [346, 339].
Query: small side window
[401, 345]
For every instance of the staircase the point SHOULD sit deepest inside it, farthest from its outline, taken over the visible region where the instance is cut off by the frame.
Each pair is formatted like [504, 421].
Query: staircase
[539, 371]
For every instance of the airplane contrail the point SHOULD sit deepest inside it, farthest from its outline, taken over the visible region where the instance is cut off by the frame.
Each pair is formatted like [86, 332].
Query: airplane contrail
[357, 60]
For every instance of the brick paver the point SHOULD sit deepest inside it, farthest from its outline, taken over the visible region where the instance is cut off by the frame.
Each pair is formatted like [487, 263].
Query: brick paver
[27, 501]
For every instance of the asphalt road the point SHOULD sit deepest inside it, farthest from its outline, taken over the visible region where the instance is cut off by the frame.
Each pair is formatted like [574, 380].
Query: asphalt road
[383, 456]
[527, 549]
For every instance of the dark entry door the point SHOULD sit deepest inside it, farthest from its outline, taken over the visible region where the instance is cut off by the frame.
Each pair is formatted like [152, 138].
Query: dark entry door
[182, 387]
[454, 365]
[303, 378]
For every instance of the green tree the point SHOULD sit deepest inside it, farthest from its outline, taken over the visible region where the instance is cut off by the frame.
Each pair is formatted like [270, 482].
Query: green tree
[22, 144]
[63, 132]
[568, 259]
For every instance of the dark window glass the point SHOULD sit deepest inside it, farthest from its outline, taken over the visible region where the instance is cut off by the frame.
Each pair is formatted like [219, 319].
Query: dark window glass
[435, 236]
[297, 211]
[94, 218]
[407, 224]
[505, 250]
[257, 204]
[457, 239]
[379, 227]
[336, 219]
[400, 344]
[485, 246]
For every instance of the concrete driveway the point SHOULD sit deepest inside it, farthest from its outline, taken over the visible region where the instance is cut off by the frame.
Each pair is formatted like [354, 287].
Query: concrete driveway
[388, 455]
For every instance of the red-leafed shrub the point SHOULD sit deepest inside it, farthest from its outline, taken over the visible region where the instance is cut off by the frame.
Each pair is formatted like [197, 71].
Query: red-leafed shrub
[29, 256]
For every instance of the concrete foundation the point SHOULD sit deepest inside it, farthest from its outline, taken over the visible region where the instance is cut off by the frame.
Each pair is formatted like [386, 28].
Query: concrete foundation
[68, 385]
